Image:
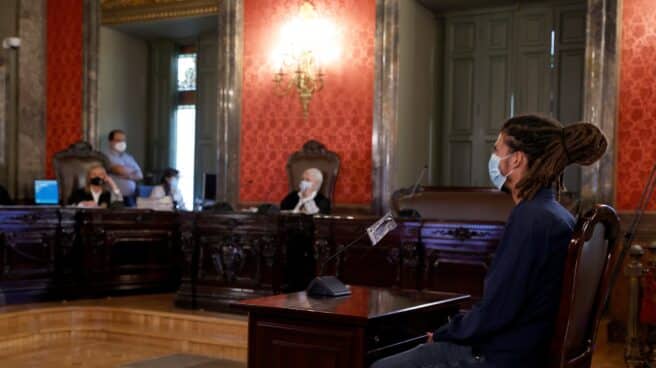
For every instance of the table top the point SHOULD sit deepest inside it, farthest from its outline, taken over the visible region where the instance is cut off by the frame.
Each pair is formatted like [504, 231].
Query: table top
[364, 303]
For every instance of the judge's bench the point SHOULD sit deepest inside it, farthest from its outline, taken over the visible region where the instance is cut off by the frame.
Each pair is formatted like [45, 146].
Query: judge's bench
[213, 259]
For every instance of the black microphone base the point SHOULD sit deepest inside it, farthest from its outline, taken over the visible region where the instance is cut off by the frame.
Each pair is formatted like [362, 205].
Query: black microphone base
[327, 286]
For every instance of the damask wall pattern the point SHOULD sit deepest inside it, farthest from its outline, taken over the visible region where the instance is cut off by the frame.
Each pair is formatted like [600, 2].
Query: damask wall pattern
[341, 115]
[63, 77]
[637, 116]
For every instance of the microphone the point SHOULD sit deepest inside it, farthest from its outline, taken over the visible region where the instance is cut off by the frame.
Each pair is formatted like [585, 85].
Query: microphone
[330, 285]
[421, 176]
[410, 212]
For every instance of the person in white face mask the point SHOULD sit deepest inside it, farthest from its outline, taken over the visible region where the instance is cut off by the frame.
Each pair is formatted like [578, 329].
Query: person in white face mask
[307, 199]
[123, 168]
[169, 188]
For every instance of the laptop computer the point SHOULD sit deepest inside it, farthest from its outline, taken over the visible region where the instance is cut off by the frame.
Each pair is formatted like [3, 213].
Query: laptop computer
[46, 192]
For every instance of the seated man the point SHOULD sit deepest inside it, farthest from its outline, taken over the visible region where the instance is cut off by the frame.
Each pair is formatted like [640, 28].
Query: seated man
[308, 199]
[123, 168]
[513, 324]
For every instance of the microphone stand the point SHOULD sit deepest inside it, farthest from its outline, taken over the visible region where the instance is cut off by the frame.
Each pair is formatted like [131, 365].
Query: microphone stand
[330, 285]
[324, 263]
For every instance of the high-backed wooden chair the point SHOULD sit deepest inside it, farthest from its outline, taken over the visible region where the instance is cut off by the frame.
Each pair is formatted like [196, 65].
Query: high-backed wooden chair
[591, 257]
[314, 154]
[71, 166]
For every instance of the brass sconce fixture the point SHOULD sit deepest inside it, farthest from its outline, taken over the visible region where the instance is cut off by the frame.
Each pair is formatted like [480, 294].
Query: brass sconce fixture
[306, 43]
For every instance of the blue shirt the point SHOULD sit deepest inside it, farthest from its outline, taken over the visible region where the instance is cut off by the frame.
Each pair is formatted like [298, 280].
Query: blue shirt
[127, 186]
[513, 324]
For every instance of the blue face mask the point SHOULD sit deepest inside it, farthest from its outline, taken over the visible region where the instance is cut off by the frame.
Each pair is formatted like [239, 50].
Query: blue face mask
[497, 178]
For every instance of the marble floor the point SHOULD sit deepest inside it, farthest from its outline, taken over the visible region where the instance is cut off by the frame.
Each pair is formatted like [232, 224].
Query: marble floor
[104, 351]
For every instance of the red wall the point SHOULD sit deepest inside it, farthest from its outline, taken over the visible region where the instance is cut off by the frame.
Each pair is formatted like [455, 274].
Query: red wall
[637, 117]
[340, 115]
[63, 76]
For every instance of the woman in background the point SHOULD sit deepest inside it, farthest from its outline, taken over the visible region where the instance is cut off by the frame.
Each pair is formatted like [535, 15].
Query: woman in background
[169, 188]
[100, 190]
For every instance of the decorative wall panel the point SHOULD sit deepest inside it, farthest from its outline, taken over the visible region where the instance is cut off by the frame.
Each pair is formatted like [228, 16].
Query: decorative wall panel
[340, 116]
[637, 116]
[64, 76]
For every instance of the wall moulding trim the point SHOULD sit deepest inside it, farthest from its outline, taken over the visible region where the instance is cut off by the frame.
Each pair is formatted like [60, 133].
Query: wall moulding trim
[125, 11]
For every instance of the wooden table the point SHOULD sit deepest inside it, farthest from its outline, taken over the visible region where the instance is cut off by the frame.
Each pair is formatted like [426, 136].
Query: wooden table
[295, 330]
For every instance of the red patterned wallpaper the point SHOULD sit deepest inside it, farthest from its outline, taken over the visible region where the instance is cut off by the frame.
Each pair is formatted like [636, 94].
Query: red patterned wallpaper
[63, 76]
[637, 117]
[341, 114]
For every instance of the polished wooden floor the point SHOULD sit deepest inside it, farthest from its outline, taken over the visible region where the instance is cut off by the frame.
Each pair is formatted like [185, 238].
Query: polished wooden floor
[114, 332]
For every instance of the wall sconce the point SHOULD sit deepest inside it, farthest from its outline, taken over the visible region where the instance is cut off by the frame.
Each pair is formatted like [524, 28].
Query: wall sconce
[307, 43]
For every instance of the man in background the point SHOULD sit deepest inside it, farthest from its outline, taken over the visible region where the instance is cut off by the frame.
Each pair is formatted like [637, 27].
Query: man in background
[122, 167]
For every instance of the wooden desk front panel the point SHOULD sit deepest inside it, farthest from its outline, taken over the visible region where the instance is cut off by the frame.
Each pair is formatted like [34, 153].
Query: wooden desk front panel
[285, 343]
[129, 249]
[28, 245]
[67, 253]
[458, 255]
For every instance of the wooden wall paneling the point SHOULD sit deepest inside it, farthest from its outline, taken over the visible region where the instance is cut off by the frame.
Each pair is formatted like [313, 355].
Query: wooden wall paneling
[162, 89]
[207, 97]
[569, 64]
[533, 82]
[460, 77]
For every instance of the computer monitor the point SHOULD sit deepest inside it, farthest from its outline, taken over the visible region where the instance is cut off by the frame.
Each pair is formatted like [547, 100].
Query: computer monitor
[46, 192]
[209, 187]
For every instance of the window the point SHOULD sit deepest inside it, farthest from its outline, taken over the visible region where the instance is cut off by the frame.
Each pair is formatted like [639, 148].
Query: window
[187, 72]
[185, 127]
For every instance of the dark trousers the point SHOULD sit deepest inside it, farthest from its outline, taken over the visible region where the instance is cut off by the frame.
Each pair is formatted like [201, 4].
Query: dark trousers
[433, 355]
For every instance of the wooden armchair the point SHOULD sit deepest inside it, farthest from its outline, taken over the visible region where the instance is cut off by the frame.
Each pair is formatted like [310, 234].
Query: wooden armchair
[314, 155]
[591, 257]
[71, 166]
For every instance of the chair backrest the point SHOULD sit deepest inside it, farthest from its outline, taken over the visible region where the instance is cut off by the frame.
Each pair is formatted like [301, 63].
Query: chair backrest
[314, 154]
[592, 255]
[454, 203]
[71, 166]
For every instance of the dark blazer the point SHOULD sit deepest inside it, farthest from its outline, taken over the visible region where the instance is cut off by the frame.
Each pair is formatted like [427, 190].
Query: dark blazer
[82, 195]
[291, 200]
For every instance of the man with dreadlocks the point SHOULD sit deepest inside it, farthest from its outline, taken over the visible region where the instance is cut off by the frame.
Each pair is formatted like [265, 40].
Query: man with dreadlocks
[512, 325]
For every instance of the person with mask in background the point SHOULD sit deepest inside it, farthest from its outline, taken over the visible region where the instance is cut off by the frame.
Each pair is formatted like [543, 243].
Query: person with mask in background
[513, 324]
[100, 190]
[308, 200]
[123, 168]
[169, 188]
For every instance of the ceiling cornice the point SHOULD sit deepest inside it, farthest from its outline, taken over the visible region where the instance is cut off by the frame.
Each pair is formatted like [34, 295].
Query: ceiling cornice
[126, 11]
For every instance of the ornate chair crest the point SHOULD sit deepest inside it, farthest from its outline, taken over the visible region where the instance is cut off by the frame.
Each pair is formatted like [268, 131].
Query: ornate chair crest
[72, 164]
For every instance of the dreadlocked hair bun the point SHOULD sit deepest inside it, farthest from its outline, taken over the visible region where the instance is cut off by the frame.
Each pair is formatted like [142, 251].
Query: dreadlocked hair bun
[550, 148]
